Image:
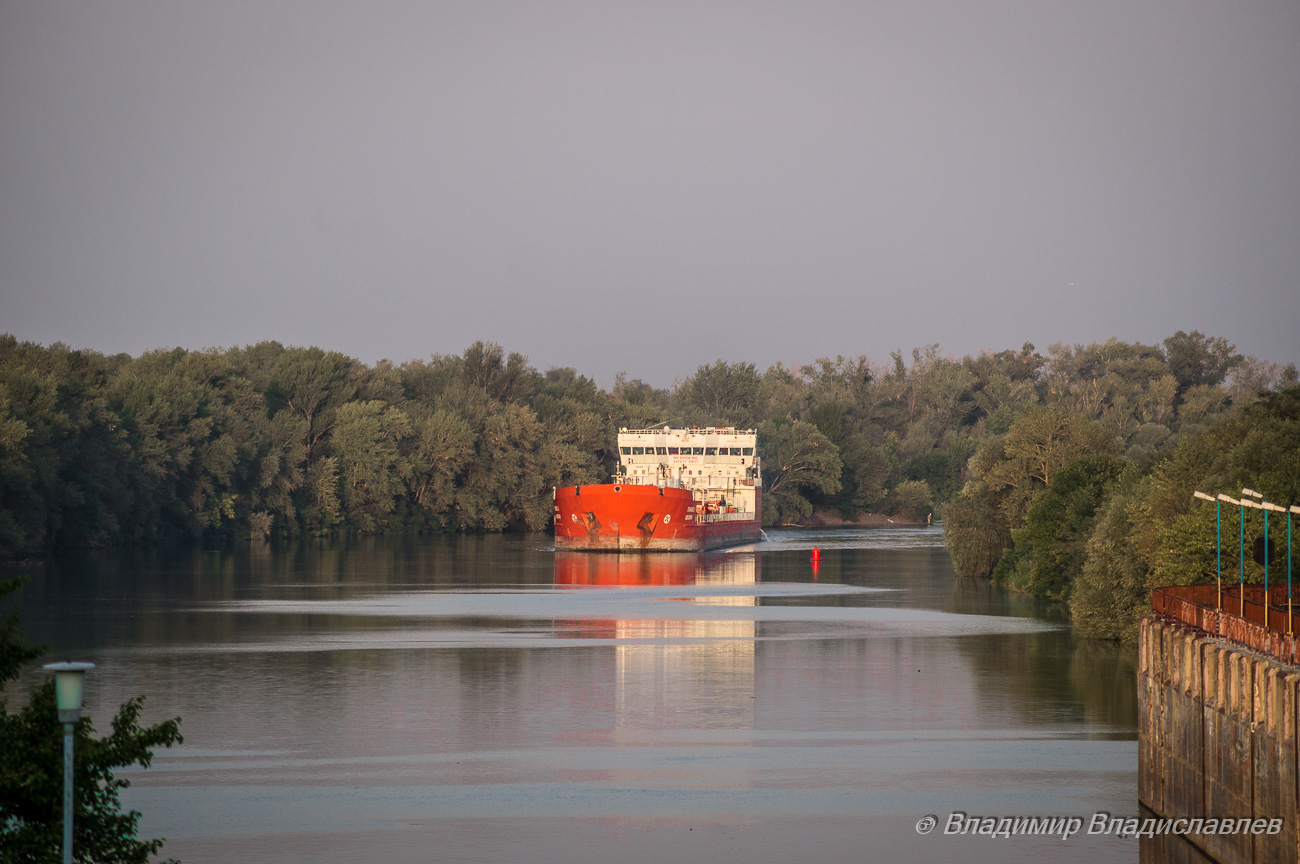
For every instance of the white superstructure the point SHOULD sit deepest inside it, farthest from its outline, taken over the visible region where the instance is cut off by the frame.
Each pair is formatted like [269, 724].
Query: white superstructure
[718, 464]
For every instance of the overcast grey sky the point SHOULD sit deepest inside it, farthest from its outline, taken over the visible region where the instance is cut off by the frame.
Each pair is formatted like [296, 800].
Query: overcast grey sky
[648, 186]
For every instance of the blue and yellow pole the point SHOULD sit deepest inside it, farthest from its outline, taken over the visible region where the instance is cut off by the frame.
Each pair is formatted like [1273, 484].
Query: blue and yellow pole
[1267, 507]
[1218, 529]
[1266, 563]
[1288, 567]
[1218, 552]
[1218, 545]
[1253, 494]
[1241, 558]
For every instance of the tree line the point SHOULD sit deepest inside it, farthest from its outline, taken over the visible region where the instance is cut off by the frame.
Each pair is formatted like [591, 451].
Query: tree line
[1021, 450]
[1068, 505]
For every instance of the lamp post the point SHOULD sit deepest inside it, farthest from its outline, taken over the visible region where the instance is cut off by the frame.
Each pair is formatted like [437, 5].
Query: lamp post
[1218, 529]
[1246, 502]
[69, 680]
[1241, 556]
[1294, 509]
[1218, 547]
[1268, 505]
[1258, 506]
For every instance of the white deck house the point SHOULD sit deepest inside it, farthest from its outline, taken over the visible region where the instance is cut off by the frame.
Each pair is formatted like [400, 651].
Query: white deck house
[718, 464]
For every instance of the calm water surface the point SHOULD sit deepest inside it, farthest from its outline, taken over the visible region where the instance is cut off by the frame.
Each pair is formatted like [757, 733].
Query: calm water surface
[487, 699]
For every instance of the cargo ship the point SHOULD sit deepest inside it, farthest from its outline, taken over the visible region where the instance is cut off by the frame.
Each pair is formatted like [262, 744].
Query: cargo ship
[675, 490]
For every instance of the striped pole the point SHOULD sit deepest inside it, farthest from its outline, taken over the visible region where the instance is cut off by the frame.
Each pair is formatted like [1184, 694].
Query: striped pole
[1258, 505]
[1218, 528]
[1218, 545]
[1241, 559]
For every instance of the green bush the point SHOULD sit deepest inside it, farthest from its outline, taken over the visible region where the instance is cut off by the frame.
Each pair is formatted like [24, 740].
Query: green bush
[31, 770]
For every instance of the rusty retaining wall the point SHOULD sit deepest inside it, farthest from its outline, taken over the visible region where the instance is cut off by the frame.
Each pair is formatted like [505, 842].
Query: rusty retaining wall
[1217, 738]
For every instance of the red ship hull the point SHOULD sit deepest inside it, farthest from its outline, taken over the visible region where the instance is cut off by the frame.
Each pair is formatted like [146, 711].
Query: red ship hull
[631, 518]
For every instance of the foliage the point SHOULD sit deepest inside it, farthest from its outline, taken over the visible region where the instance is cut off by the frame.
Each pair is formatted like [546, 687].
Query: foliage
[797, 456]
[724, 394]
[1112, 590]
[267, 440]
[912, 499]
[1048, 547]
[1052, 510]
[1151, 531]
[1196, 360]
[31, 770]
[1122, 385]
[975, 531]
[864, 467]
[1022, 463]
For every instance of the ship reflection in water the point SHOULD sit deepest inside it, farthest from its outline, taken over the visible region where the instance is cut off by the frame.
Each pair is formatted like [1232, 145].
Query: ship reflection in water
[674, 672]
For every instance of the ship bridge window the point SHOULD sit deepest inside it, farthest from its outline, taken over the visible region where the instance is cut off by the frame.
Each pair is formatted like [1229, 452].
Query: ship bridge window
[672, 451]
[735, 451]
[627, 451]
[749, 451]
[661, 451]
[638, 451]
[698, 451]
[710, 451]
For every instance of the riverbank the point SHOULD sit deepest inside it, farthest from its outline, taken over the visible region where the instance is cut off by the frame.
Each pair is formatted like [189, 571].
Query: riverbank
[828, 519]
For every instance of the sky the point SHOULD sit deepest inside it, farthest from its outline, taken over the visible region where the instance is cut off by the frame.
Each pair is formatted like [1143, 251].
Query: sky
[647, 187]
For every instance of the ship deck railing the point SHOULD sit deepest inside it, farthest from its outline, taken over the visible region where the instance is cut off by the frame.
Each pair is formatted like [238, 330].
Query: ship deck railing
[694, 430]
[740, 516]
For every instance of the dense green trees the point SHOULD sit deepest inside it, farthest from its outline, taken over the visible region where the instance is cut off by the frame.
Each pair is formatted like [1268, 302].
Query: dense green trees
[1048, 546]
[1080, 490]
[976, 531]
[267, 440]
[273, 440]
[797, 457]
[1022, 463]
[1100, 531]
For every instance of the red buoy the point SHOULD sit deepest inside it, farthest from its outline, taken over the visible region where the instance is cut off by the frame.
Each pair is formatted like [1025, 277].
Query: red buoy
[817, 554]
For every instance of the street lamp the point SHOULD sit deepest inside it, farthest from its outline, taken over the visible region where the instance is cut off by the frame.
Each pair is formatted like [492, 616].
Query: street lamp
[69, 679]
[1246, 502]
[1294, 509]
[1229, 500]
[1262, 504]
[1218, 545]
[1266, 507]
[1241, 555]
[1257, 495]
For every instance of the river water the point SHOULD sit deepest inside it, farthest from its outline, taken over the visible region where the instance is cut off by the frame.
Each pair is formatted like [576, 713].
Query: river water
[486, 699]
